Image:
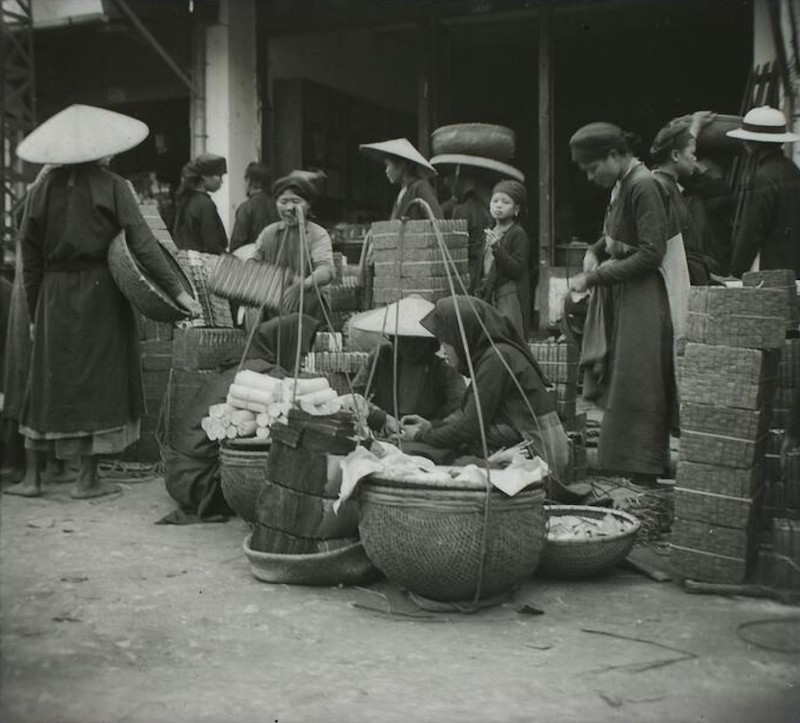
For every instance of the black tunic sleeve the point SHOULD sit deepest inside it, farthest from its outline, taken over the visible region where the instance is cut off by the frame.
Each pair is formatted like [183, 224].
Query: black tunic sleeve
[32, 243]
[212, 232]
[492, 382]
[511, 254]
[143, 244]
[757, 212]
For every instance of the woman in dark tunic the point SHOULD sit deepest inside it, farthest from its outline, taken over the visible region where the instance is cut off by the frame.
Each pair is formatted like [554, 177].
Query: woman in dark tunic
[84, 397]
[406, 167]
[673, 156]
[191, 459]
[504, 370]
[198, 226]
[627, 344]
[426, 384]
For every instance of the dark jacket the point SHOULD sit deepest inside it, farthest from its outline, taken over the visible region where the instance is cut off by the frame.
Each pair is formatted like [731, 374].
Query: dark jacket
[418, 188]
[85, 367]
[770, 220]
[711, 204]
[476, 214]
[681, 221]
[198, 226]
[510, 272]
[252, 217]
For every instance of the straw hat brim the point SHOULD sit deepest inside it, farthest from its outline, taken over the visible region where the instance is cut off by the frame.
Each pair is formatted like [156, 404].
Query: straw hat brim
[744, 135]
[391, 321]
[399, 148]
[458, 159]
[80, 134]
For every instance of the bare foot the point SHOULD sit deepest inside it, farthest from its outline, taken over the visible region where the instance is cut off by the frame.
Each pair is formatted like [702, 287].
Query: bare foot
[24, 489]
[98, 489]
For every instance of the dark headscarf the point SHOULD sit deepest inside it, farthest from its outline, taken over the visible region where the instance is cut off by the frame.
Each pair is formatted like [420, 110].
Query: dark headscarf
[674, 136]
[209, 164]
[513, 189]
[276, 340]
[476, 315]
[305, 184]
[593, 142]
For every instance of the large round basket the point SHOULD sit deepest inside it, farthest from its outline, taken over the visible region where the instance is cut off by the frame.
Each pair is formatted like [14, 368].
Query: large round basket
[139, 289]
[242, 474]
[430, 540]
[476, 139]
[347, 565]
[586, 557]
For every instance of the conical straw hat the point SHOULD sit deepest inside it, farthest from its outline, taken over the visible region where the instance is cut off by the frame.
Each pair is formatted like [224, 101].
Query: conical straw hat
[394, 321]
[82, 133]
[399, 147]
[461, 159]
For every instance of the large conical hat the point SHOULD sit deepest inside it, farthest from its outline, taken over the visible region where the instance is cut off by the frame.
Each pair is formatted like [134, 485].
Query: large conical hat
[394, 321]
[399, 147]
[489, 164]
[82, 133]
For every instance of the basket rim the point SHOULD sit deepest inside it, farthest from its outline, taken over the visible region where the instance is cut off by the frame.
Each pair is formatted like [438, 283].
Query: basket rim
[330, 556]
[581, 510]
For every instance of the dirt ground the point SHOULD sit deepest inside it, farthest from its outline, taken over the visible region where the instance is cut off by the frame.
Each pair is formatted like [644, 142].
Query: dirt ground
[109, 618]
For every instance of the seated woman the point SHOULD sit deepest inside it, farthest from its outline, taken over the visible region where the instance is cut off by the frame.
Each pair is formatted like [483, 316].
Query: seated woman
[426, 384]
[279, 244]
[504, 369]
[191, 459]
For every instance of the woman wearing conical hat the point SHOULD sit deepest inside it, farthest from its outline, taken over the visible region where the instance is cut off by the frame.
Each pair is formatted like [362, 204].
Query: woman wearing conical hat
[426, 384]
[406, 167]
[85, 396]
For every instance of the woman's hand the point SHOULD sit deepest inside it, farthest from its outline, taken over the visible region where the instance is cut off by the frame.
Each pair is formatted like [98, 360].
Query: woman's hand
[291, 298]
[590, 261]
[491, 237]
[414, 425]
[578, 283]
[700, 120]
[189, 304]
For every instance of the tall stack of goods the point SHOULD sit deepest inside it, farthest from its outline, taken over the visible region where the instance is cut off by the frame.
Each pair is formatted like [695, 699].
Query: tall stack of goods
[728, 380]
[294, 509]
[408, 259]
[344, 292]
[559, 363]
[329, 358]
[782, 487]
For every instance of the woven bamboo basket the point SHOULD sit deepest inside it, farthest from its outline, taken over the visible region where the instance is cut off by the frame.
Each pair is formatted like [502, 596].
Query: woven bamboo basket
[139, 289]
[589, 557]
[345, 565]
[196, 348]
[430, 540]
[242, 474]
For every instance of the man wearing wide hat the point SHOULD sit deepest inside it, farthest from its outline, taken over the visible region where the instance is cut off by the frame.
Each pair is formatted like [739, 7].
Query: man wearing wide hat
[476, 163]
[767, 234]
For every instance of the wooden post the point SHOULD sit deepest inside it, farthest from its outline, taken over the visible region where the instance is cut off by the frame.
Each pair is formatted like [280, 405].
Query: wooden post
[545, 161]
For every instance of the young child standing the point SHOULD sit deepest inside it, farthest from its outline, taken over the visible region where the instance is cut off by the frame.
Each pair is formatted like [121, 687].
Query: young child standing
[505, 273]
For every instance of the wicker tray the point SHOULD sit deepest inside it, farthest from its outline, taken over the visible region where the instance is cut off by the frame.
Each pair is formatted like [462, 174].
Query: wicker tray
[139, 289]
[347, 565]
[586, 558]
[430, 540]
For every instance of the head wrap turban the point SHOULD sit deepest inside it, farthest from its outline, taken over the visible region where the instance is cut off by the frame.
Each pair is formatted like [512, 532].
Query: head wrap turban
[673, 136]
[208, 164]
[595, 141]
[513, 189]
[304, 183]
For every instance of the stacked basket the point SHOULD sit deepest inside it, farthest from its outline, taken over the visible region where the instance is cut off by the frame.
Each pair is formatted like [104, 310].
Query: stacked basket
[408, 259]
[728, 379]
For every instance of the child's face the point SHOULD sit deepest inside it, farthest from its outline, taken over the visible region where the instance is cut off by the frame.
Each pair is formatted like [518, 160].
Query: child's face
[502, 207]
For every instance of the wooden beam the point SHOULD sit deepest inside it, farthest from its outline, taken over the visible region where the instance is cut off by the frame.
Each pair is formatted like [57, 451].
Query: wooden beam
[545, 176]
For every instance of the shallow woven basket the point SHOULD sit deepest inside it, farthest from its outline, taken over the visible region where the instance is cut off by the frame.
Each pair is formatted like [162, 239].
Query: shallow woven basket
[139, 289]
[429, 540]
[585, 558]
[242, 473]
[344, 566]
